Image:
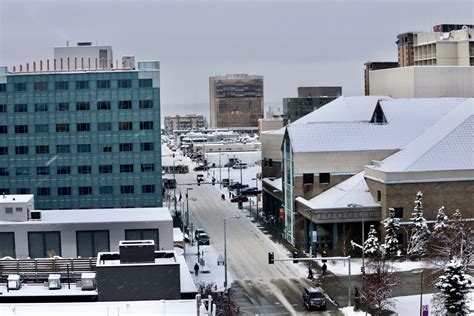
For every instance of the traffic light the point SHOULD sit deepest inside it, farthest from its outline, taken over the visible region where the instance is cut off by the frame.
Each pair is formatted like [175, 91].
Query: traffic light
[271, 258]
[199, 182]
[362, 270]
[213, 181]
[295, 255]
[173, 155]
[324, 254]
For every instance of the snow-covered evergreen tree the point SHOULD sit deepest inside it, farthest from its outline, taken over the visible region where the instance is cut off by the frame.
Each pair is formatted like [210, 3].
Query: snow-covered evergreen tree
[391, 224]
[454, 288]
[420, 232]
[441, 220]
[371, 245]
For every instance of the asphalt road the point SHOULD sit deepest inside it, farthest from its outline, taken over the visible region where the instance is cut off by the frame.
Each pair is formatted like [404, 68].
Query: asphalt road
[260, 288]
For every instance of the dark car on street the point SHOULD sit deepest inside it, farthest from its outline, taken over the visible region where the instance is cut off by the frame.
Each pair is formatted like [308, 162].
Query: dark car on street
[203, 239]
[225, 182]
[314, 298]
[250, 191]
[237, 186]
[201, 168]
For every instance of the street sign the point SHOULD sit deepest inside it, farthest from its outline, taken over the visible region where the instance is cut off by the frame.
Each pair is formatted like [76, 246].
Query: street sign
[425, 310]
[282, 214]
[314, 236]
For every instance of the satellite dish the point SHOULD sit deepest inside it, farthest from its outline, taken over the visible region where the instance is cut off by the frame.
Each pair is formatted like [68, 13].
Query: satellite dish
[445, 36]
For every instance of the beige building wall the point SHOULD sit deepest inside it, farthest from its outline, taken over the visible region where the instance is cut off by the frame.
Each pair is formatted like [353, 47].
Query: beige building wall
[423, 82]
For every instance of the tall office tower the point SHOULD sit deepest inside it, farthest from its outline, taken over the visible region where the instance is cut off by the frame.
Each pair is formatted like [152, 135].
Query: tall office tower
[235, 100]
[405, 49]
[79, 135]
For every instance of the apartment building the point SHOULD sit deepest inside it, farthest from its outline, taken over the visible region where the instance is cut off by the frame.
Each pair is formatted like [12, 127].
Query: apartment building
[235, 100]
[186, 122]
[80, 136]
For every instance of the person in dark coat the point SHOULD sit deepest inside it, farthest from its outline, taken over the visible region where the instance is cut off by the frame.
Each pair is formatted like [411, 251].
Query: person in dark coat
[324, 268]
[223, 197]
[196, 268]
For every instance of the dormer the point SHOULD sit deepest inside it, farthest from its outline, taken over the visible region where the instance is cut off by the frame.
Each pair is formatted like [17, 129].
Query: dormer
[378, 117]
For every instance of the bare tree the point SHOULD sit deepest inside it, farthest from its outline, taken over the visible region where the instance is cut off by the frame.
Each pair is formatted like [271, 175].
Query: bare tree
[225, 304]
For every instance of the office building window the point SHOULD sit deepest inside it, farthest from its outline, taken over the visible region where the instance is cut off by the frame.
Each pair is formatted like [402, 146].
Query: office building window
[80, 85]
[41, 128]
[41, 107]
[3, 108]
[62, 128]
[103, 84]
[21, 150]
[3, 129]
[41, 86]
[126, 147]
[104, 126]
[21, 129]
[18, 108]
[63, 170]
[3, 87]
[22, 171]
[44, 244]
[107, 149]
[43, 191]
[146, 125]
[144, 234]
[42, 149]
[145, 83]
[64, 191]
[105, 169]
[270, 163]
[126, 189]
[324, 178]
[23, 191]
[84, 148]
[85, 190]
[146, 104]
[62, 106]
[91, 242]
[398, 212]
[4, 171]
[125, 126]
[148, 188]
[61, 85]
[84, 169]
[107, 189]
[125, 105]
[308, 178]
[7, 245]
[83, 127]
[103, 105]
[63, 149]
[126, 168]
[42, 171]
[4, 191]
[148, 167]
[147, 146]
[19, 86]
[9, 210]
[124, 83]
[83, 106]
[3, 150]
[379, 195]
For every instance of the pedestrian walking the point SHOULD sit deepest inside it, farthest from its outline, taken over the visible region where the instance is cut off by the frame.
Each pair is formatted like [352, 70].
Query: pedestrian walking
[310, 273]
[324, 268]
[230, 195]
[223, 197]
[196, 268]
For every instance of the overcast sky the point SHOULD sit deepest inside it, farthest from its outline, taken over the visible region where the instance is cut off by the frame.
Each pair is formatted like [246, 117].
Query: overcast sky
[291, 43]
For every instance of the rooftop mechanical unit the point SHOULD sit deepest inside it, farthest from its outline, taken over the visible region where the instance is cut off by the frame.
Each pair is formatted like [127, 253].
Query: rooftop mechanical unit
[54, 282]
[137, 251]
[13, 282]
[88, 281]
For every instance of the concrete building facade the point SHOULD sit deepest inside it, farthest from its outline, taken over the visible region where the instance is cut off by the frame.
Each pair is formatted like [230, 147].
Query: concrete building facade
[375, 65]
[186, 122]
[82, 138]
[235, 100]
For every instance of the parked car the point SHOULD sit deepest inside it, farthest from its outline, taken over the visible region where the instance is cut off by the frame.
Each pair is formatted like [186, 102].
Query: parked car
[232, 162]
[201, 168]
[240, 165]
[314, 298]
[203, 239]
[237, 186]
[225, 182]
[197, 232]
[250, 191]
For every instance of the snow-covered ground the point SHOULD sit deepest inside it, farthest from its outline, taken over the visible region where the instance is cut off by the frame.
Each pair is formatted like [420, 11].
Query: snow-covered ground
[341, 267]
[410, 305]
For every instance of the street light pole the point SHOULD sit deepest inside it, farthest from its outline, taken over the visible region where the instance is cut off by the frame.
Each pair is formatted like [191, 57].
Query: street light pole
[420, 272]
[187, 206]
[220, 171]
[225, 248]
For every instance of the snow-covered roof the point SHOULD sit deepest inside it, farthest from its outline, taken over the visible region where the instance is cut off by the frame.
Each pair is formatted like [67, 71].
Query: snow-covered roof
[343, 109]
[15, 198]
[406, 119]
[274, 183]
[352, 192]
[111, 215]
[446, 145]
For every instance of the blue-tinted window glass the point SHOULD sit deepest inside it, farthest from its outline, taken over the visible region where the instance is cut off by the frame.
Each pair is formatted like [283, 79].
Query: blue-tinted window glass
[103, 84]
[124, 83]
[145, 83]
[82, 85]
[61, 85]
[21, 108]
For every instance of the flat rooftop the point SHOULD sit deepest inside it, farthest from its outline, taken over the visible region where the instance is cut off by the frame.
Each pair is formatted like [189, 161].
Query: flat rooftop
[15, 198]
[109, 215]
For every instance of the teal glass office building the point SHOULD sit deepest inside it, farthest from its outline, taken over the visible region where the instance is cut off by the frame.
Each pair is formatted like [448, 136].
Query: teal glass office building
[82, 139]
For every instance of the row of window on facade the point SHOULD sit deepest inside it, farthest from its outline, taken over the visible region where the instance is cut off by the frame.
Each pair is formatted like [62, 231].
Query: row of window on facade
[80, 148]
[43, 244]
[79, 85]
[80, 127]
[86, 190]
[80, 106]
[83, 169]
